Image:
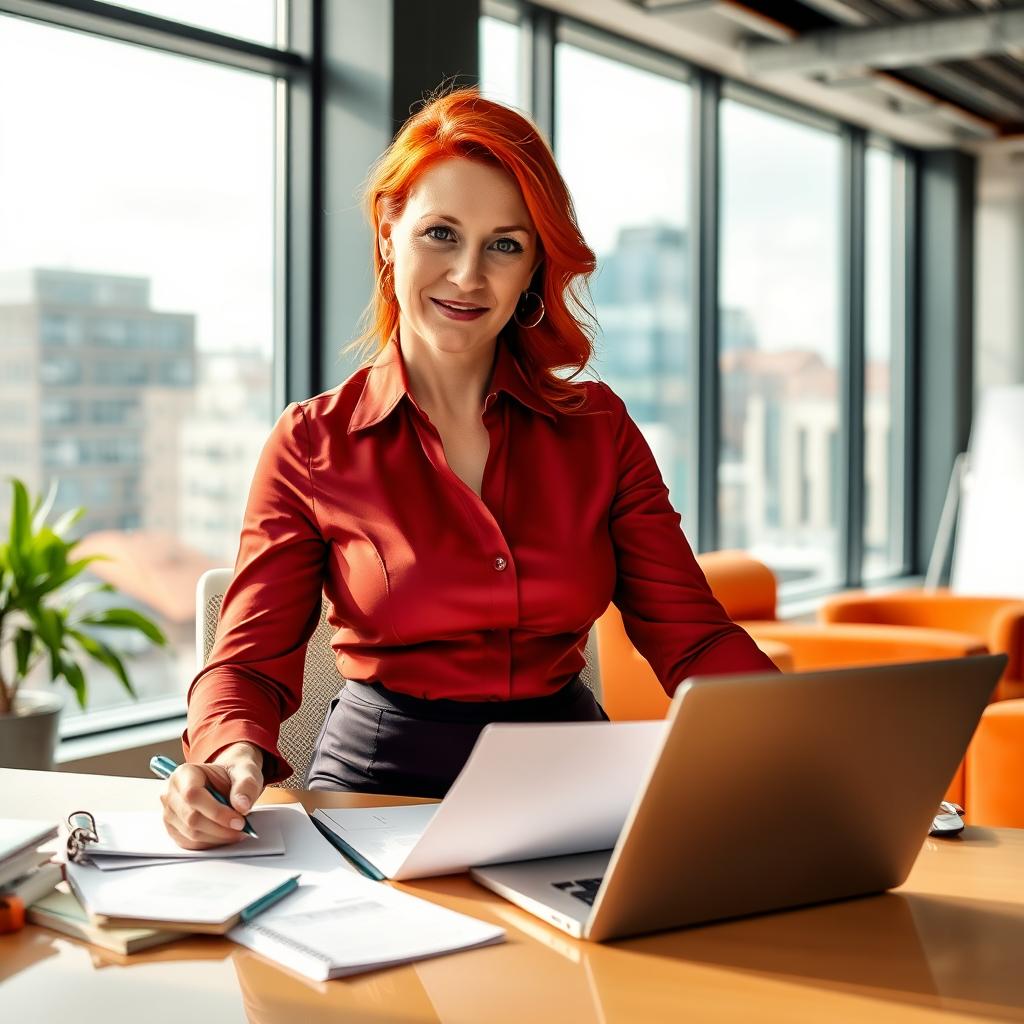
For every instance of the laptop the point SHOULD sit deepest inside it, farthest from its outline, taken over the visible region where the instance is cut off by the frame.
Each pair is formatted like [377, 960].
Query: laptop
[770, 791]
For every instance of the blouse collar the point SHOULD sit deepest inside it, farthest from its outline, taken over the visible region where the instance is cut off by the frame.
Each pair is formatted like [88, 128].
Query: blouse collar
[387, 383]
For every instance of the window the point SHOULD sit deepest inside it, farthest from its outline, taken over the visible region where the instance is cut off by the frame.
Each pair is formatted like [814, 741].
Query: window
[501, 61]
[779, 340]
[631, 196]
[60, 410]
[884, 345]
[247, 19]
[142, 265]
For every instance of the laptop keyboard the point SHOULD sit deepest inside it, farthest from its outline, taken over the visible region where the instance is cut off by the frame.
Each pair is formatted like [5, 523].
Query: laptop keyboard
[582, 888]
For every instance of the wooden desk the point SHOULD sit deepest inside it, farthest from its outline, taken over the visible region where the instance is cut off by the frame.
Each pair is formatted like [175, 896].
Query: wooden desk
[949, 943]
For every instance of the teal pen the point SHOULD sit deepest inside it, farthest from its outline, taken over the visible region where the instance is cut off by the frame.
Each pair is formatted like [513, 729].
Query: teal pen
[162, 767]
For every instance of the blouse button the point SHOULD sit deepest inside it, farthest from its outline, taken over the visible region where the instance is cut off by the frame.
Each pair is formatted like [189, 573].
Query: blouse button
[500, 564]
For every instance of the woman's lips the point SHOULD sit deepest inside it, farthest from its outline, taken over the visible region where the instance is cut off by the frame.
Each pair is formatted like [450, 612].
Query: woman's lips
[458, 313]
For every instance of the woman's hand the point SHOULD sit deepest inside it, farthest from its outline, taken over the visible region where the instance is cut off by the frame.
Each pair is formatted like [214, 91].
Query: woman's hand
[193, 819]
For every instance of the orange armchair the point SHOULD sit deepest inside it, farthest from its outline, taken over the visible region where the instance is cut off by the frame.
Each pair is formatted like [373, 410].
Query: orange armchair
[997, 622]
[994, 789]
[746, 588]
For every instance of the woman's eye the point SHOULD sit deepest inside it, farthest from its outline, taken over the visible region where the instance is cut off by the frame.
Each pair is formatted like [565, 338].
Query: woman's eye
[508, 245]
[443, 237]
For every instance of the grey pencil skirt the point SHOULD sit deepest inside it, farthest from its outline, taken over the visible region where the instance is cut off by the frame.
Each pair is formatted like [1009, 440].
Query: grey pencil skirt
[376, 741]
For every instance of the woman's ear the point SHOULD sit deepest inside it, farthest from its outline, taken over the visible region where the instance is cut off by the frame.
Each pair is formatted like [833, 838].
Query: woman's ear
[384, 240]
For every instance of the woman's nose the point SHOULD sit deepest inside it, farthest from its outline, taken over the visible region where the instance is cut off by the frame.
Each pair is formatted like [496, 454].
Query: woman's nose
[467, 270]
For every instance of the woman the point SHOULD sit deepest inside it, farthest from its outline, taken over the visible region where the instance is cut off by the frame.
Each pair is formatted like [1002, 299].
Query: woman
[468, 512]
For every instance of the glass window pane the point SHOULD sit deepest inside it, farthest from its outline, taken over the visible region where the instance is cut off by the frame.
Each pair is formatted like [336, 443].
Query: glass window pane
[501, 61]
[883, 380]
[779, 338]
[136, 313]
[630, 192]
[246, 19]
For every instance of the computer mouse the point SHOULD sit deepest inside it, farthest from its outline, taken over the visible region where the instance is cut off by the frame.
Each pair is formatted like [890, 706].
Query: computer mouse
[946, 824]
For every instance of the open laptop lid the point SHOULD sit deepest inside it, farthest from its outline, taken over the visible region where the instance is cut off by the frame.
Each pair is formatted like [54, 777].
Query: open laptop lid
[773, 791]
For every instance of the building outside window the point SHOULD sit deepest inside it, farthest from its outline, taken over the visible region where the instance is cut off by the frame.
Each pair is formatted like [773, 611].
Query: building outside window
[780, 280]
[124, 277]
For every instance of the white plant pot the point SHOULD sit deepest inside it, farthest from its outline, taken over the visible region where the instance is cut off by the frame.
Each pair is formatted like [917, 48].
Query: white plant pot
[28, 737]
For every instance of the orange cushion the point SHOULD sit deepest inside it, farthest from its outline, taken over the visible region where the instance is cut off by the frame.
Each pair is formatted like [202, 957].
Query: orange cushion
[994, 793]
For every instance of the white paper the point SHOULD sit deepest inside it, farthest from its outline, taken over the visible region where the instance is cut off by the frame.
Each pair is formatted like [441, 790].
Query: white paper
[20, 834]
[305, 849]
[341, 923]
[527, 790]
[383, 835]
[200, 892]
[142, 834]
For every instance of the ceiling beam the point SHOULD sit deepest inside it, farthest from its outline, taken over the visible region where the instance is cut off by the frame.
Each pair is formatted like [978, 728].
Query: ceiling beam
[907, 44]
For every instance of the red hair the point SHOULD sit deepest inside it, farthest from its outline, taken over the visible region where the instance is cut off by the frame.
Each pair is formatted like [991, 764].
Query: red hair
[461, 123]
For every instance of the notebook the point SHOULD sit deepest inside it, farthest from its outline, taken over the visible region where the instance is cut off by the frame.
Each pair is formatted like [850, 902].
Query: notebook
[21, 864]
[209, 896]
[34, 885]
[21, 837]
[61, 912]
[341, 924]
[141, 835]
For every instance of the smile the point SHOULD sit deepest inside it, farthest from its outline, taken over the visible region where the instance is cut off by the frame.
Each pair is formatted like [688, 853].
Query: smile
[458, 312]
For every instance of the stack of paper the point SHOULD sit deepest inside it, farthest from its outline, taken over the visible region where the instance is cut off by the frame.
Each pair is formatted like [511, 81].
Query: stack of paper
[25, 873]
[195, 896]
[63, 913]
[139, 839]
[342, 924]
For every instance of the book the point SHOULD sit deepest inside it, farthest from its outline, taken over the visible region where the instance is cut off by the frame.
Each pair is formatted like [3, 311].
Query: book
[61, 912]
[341, 924]
[21, 864]
[36, 884]
[207, 896]
[21, 835]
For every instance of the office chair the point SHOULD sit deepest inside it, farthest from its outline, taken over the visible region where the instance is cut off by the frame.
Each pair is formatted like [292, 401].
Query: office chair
[321, 680]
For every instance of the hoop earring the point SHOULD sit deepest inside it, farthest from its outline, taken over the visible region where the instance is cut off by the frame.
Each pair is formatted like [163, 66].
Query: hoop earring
[540, 311]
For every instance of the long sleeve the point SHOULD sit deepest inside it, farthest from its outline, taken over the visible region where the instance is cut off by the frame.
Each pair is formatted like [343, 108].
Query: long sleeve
[253, 679]
[667, 607]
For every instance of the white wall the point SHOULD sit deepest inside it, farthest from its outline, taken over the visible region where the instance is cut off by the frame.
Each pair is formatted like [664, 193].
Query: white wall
[999, 269]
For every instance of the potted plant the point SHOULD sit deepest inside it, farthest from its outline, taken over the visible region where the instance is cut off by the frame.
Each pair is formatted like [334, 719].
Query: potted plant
[40, 618]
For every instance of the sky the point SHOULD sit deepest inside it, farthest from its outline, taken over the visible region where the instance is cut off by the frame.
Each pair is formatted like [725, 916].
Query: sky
[125, 160]
[623, 142]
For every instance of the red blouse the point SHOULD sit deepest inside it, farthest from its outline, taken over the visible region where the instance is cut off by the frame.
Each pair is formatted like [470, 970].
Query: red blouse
[436, 592]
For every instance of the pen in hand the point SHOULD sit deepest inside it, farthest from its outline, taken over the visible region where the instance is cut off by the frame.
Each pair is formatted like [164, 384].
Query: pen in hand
[162, 767]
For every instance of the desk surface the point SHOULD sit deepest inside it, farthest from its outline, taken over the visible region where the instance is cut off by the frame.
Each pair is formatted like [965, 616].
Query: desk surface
[949, 944]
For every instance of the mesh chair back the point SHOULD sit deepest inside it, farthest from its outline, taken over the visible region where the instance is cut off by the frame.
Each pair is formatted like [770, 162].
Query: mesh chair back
[321, 680]
[320, 685]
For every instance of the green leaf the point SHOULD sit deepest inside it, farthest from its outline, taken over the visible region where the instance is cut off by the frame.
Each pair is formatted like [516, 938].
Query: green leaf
[73, 674]
[20, 532]
[41, 509]
[125, 618]
[67, 520]
[24, 640]
[49, 583]
[69, 671]
[106, 655]
[49, 625]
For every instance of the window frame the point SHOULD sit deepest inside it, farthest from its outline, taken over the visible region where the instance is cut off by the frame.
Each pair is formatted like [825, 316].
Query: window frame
[708, 90]
[295, 66]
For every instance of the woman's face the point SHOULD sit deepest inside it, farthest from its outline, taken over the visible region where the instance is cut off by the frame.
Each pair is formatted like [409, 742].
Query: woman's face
[463, 251]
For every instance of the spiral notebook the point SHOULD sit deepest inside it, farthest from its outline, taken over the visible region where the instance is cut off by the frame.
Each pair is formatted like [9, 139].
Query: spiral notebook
[192, 896]
[339, 923]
